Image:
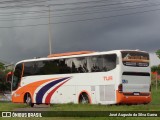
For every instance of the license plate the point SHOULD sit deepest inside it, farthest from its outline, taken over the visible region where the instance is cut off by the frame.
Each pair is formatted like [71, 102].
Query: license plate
[136, 93]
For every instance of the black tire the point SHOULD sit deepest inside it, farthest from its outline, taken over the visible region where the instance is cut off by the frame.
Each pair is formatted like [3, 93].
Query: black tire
[84, 99]
[28, 100]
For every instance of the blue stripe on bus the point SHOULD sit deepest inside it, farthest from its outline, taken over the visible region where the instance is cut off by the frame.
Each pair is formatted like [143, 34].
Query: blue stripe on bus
[44, 89]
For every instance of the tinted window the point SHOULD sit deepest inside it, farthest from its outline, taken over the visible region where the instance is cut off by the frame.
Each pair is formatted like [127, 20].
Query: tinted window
[48, 67]
[30, 68]
[77, 65]
[71, 65]
[65, 66]
[41, 68]
[17, 76]
[102, 63]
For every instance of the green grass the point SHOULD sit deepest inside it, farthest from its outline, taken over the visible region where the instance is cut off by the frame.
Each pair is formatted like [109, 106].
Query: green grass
[72, 107]
[153, 106]
[8, 106]
[155, 94]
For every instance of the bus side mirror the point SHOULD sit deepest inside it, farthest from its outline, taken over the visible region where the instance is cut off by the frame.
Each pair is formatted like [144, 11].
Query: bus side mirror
[9, 77]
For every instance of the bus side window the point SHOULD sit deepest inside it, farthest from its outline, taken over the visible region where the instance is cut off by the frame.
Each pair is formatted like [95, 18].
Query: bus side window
[94, 63]
[29, 69]
[109, 62]
[64, 66]
[74, 69]
[79, 65]
[102, 63]
[49, 67]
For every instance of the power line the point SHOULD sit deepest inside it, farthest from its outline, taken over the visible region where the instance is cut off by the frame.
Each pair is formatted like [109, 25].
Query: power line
[114, 16]
[93, 12]
[20, 5]
[112, 4]
[89, 19]
[99, 11]
[13, 1]
[21, 1]
[74, 3]
[65, 9]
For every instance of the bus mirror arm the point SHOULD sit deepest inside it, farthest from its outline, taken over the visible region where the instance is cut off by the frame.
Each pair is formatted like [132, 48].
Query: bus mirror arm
[9, 77]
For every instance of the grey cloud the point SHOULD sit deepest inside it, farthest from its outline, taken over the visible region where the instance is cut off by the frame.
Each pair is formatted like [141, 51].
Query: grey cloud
[126, 32]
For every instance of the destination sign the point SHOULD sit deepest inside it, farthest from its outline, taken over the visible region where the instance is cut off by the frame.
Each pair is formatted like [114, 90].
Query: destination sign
[135, 59]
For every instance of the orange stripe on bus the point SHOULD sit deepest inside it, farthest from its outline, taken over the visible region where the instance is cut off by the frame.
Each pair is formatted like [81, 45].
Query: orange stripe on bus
[30, 88]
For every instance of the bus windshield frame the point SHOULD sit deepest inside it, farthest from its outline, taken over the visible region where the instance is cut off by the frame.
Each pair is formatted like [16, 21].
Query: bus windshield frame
[16, 79]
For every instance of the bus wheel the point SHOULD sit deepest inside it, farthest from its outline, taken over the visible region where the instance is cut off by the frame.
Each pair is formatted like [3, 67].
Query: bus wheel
[28, 100]
[83, 99]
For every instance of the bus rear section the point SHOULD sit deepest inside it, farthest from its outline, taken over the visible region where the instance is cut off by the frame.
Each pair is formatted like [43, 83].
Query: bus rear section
[135, 84]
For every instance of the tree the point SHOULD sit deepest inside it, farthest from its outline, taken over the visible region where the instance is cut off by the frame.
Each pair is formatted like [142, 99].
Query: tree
[1, 66]
[155, 69]
[4, 85]
[158, 53]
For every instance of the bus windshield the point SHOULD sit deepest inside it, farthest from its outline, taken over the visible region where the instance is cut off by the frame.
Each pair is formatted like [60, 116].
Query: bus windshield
[17, 76]
[135, 59]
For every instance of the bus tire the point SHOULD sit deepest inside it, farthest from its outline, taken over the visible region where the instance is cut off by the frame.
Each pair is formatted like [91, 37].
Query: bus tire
[28, 100]
[83, 98]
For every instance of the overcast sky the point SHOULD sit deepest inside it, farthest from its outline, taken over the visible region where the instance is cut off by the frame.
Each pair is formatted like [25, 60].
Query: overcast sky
[98, 25]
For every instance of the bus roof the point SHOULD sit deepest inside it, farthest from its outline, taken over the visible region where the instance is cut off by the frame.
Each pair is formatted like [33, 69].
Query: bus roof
[70, 53]
[75, 54]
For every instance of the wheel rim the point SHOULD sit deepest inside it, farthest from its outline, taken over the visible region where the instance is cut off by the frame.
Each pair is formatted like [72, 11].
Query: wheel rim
[28, 100]
[84, 99]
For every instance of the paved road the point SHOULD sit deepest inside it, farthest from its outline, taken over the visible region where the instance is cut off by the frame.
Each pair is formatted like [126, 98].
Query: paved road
[35, 108]
[5, 97]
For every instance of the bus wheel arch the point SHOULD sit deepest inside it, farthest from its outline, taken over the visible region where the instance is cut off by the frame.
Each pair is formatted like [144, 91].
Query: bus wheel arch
[28, 99]
[84, 97]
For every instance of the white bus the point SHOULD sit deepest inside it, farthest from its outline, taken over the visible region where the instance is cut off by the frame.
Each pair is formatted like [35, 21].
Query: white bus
[113, 77]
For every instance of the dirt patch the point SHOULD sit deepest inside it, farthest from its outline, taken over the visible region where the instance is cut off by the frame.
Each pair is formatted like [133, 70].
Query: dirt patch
[35, 108]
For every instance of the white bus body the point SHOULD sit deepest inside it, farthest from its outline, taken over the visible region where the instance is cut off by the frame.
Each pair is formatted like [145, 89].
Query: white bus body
[113, 77]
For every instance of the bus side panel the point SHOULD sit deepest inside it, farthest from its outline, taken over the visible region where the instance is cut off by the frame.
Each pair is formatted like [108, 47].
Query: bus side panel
[107, 94]
[97, 86]
[65, 94]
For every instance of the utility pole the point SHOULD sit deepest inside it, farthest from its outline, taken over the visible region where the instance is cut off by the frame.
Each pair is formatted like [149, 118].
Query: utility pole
[49, 31]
